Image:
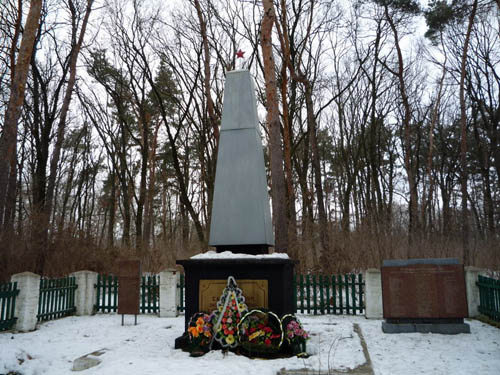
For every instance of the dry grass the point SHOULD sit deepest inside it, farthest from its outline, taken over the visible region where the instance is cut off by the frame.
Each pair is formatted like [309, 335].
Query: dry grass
[348, 252]
[360, 250]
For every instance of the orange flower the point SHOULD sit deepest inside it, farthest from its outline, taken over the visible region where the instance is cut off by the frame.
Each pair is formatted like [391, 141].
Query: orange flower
[193, 331]
[199, 328]
[207, 333]
[199, 321]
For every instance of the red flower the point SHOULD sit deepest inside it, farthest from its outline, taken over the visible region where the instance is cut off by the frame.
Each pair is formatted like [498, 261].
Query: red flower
[267, 329]
[260, 325]
[224, 326]
[252, 329]
[224, 320]
[267, 342]
[226, 332]
[276, 336]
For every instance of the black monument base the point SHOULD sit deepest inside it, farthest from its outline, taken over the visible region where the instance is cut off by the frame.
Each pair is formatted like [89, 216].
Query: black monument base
[277, 271]
[443, 326]
[182, 342]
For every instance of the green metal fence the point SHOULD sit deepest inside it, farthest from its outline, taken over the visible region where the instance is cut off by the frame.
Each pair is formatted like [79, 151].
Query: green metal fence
[107, 294]
[57, 298]
[489, 297]
[329, 294]
[8, 294]
[150, 294]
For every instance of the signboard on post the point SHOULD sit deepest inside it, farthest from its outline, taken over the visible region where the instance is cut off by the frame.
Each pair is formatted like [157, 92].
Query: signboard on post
[129, 282]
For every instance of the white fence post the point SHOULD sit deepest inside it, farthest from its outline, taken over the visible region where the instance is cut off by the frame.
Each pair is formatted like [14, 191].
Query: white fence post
[472, 290]
[373, 294]
[28, 284]
[85, 294]
[168, 293]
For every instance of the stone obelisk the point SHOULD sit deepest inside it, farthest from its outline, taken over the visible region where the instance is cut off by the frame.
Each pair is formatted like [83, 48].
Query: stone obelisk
[241, 219]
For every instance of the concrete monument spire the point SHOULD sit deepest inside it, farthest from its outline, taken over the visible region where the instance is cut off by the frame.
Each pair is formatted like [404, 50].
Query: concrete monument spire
[241, 219]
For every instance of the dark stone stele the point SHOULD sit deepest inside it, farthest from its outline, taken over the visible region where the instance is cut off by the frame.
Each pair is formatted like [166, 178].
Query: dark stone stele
[241, 217]
[129, 279]
[277, 271]
[424, 295]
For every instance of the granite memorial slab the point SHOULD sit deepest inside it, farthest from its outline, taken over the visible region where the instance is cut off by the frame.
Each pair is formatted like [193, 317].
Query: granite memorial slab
[424, 295]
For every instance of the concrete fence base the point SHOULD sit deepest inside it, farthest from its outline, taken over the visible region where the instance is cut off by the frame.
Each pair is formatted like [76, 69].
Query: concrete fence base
[85, 294]
[26, 311]
[168, 293]
[373, 294]
[472, 290]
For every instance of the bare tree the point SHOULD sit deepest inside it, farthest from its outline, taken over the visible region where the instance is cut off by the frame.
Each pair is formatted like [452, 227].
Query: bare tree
[273, 123]
[8, 139]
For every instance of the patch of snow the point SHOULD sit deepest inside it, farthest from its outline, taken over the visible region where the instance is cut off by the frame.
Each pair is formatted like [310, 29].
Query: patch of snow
[230, 255]
[148, 349]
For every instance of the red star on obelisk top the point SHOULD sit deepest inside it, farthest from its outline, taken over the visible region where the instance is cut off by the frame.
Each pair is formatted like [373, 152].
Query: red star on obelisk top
[240, 54]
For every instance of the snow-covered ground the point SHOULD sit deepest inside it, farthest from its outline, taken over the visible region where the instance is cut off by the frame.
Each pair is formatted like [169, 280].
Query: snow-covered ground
[148, 348]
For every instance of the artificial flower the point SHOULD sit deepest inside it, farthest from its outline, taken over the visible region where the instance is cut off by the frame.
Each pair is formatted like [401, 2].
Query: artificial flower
[193, 331]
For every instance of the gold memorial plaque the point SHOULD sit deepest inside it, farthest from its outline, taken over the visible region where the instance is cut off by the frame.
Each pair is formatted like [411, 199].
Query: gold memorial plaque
[254, 291]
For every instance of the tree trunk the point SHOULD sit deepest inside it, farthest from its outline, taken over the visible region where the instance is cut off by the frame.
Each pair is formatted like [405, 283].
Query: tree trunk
[206, 66]
[287, 130]
[273, 123]
[48, 198]
[318, 184]
[148, 214]
[463, 138]
[8, 139]
[427, 201]
[54, 162]
[124, 185]
[409, 165]
[112, 210]
[287, 135]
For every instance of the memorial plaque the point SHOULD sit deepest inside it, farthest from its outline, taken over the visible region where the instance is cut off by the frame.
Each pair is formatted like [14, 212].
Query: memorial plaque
[424, 291]
[254, 291]
[129, 280]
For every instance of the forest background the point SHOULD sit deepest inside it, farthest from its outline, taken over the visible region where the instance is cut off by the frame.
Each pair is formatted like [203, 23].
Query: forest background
[380, 121]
